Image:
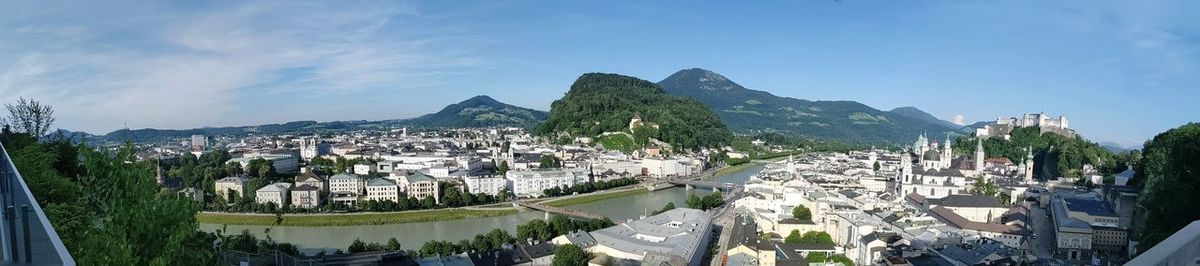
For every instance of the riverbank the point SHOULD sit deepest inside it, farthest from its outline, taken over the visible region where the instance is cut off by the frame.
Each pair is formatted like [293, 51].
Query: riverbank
[349, 219]
[734, 169]
[594, 197]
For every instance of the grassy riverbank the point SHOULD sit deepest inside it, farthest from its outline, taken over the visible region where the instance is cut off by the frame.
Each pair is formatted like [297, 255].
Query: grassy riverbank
[346, 219]
[594, 197]
[734, 169]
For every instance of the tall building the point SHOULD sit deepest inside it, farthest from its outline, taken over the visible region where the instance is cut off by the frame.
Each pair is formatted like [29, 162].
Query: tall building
[979, 155]
[199, 142]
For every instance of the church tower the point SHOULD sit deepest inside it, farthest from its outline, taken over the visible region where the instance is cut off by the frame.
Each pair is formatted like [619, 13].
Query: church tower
[947, 153]
[979, 155]
[1029, 166]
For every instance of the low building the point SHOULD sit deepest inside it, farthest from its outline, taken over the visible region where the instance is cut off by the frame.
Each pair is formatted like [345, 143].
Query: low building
[312, 179]
[579, 238]
[306, 196]
[383, 189]
[982, 209]
[283, 163]
[679, 235]
[532, 183]
[1011, 236]
[1073, 237]
[233, 184]
[276, 193]
[346, 183]
[420, 185]
[192, 193]
[485, 185]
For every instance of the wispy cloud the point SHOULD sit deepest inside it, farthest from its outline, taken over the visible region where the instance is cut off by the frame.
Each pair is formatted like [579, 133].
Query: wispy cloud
[173, 67]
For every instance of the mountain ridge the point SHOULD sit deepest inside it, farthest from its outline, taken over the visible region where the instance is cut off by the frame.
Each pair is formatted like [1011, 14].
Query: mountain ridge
[754, 111]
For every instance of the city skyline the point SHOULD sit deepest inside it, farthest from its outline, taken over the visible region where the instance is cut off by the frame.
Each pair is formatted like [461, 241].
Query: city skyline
[1120, 73]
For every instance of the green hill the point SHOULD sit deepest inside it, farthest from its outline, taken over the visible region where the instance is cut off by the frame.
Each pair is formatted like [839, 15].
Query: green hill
[480, 111]
[752, 111]
[598, 103]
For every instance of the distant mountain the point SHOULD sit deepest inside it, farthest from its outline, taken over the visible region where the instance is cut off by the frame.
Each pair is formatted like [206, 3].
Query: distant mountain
[978, 125]
[1113, 147]
[753, 111]
[598, 103]
[913, 112]
[295, 127]
[480, 111]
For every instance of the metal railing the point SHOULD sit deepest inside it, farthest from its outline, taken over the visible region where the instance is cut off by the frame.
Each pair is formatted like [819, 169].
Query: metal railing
[26, 235]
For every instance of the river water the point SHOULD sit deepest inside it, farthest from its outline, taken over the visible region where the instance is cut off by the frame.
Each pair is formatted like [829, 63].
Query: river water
[413, 235]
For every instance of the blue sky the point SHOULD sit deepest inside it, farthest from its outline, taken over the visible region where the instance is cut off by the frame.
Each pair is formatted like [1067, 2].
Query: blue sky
[1121, 70]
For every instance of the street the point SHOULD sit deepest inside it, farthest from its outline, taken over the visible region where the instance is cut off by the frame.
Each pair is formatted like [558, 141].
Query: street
[1043, 228]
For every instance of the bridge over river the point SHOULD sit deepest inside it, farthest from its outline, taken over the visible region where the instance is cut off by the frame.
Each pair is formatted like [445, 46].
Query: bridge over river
[561, 211]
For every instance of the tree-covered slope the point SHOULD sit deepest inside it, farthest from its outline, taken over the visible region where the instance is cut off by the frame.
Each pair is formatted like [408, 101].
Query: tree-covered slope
[753, 111]
[480, 111]
[598, 103]
[1168, 175]
[1054, 155]
[913, 112]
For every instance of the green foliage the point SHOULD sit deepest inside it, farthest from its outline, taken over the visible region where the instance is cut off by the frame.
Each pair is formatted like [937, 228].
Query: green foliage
[665, 208]
[712, 200]
[817, 257]
[549, 161]
[801, 213]
[558, 225]
[619, 142]
[839, 258]
[570, 255]
[810, 237]
[600, 103]
[588, 187]
[1169, 178]
[1066, 159]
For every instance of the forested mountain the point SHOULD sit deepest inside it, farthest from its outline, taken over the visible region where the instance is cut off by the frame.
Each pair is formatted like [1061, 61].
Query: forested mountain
[480, 111]
[753, 111]
[297, 127]
[913, 112]
[598, 103]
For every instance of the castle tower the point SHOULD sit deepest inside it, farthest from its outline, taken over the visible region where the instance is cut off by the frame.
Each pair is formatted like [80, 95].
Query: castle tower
[979, 155]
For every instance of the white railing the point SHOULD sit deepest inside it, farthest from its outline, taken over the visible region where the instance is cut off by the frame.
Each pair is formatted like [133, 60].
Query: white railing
[25, 233]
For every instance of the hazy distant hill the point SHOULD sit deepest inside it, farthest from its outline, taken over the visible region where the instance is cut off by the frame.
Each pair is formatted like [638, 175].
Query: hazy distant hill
[480, 111]
[598, 103]
[747, 110]
[913, 112]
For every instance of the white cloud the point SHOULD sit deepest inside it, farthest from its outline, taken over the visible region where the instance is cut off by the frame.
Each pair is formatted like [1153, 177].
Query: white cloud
[185, 69]
[959, 120]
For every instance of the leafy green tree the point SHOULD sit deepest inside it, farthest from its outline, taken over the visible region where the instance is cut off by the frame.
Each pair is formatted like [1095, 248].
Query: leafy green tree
[801, 213]
[817, 257]
[794, 237]
[665, 208]
[357, 246]
[1168, 176]
[876, 166]
[503, 169]
[549, 161]
[29, 117]
[570, 255]
[839, 258]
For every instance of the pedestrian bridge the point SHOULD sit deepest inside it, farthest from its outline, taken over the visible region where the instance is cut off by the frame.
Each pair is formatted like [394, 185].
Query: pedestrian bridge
[709, 184]
[560, 211]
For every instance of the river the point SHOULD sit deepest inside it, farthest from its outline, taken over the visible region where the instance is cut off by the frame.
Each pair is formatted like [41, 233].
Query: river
[412, 235]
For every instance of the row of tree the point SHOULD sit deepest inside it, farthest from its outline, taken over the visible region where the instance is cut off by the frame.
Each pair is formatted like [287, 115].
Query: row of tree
[712, 200]
[588, 187]
[558, 225]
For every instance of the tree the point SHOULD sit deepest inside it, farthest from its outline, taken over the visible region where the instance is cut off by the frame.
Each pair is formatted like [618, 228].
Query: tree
[503, 169]
[570, 255]
[794, 237]
[840, 258]
[876, 167]
[549, 161]
[665, 208]
[357, 246]
[817, 257]
[1168, 176]
[801, 213]
[29, 117]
